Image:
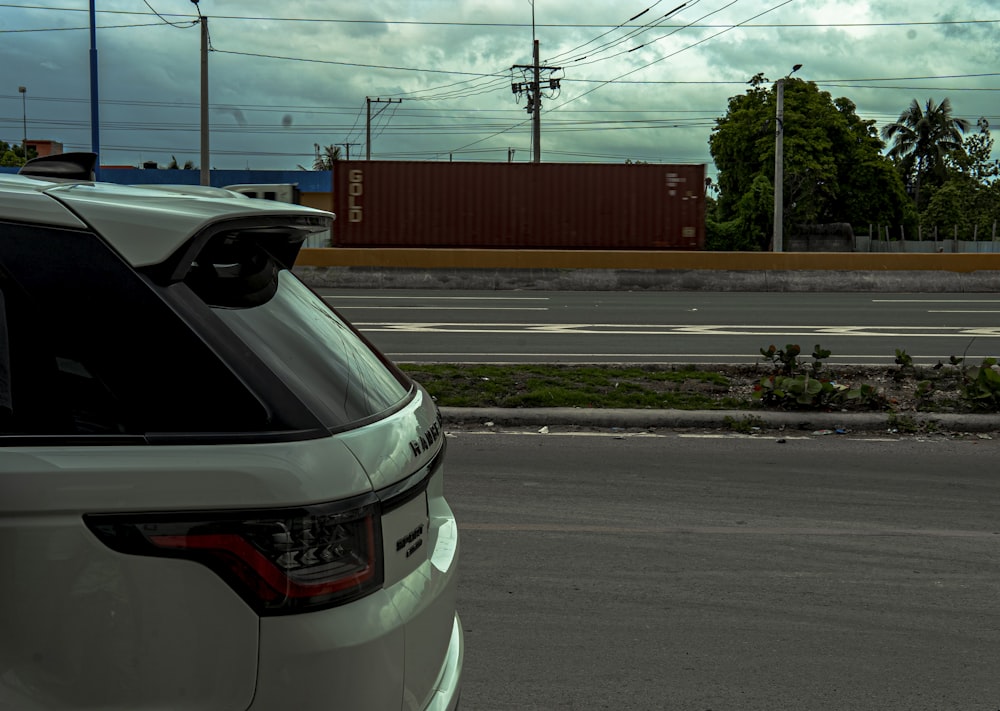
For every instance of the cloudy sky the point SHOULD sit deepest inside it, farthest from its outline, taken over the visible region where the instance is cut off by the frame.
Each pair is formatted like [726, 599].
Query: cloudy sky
[641, 80]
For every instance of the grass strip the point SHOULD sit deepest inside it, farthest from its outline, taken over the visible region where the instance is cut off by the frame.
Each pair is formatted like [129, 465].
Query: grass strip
[587, 386]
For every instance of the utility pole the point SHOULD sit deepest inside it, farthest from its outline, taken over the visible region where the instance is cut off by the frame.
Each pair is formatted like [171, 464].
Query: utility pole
[779, 160]
[347, 148]
[95, 123]
[779, 166]
[24, 117]
[533, 89]
[368, 122]
[205, 159]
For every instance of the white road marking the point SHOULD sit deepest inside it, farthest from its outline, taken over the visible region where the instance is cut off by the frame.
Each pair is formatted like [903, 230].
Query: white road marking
[452, 308]
[769, 438]
[743, 358]
[344, 297]
[683, 330]
[936, 301]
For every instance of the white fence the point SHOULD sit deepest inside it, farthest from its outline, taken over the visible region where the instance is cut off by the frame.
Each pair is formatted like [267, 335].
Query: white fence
[882, 238]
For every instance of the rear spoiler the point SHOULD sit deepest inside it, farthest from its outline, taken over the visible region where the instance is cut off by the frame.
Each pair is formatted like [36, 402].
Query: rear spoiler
[64, 166]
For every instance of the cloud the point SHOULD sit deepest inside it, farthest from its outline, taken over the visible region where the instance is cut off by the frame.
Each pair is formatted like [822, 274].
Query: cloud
[450, 64]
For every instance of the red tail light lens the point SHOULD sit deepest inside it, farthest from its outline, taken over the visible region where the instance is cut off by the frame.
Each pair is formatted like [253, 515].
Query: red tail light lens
[279, 560]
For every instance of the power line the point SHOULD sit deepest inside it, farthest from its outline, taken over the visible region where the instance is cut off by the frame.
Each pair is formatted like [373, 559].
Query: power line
[518, 25]
[672, 54]
[189, 23]
[637, 31]
[351, 64]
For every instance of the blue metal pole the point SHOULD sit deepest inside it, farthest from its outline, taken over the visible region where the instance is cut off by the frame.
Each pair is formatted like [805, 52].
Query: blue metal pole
[95, 123]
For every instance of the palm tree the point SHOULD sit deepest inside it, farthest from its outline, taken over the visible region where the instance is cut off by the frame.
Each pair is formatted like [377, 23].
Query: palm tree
[326, 160]
[921, 138]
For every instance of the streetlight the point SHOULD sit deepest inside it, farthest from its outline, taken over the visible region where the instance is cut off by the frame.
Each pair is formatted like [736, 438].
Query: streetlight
[24, 117]
[779, 159]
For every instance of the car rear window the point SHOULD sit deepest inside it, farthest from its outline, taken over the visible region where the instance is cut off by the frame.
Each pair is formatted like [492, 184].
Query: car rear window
[90, 349]
[317, 354]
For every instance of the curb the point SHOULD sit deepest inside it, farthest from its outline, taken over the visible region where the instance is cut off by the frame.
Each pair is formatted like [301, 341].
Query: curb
[722, 419]
[763, 280]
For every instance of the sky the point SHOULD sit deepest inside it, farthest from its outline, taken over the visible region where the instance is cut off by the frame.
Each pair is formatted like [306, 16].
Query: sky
[638, 80]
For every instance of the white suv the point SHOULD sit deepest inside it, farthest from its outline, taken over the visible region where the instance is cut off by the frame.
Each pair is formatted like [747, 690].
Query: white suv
[214, 492]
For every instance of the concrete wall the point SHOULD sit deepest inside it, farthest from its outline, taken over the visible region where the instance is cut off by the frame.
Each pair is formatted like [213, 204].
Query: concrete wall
[667, 271]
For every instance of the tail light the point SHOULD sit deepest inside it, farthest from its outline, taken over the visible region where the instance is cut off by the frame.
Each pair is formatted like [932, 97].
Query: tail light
[280, 561]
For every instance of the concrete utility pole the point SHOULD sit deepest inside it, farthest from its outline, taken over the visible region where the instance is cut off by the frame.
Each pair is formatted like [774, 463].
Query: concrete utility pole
[779, 160]
[533, 90]
[95, 123]
[368, 122]
[205, 159]
[24, 117]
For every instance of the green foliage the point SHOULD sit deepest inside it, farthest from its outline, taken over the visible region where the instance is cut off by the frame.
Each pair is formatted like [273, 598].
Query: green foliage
[743, 425]
[11, 155]
[188, 165]
[750, 229]
[903, 359]
[981, 385]
[327, 157]
[923, 137]
[784, 360]
[969, 198]
[833, 165]
[950, 206]
[797, 385]
[571, 386]
[902, 423]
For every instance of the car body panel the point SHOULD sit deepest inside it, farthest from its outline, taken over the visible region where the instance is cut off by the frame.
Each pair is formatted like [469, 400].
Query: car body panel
[93, 622]
[169, 478]
[168, 219]
[133, 640]
[388, 447]
[25, 198]
[418, 658]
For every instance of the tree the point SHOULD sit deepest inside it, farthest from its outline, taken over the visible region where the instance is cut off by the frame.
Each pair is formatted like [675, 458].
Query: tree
[326, 157]
[12, 155]
[188, 165]
[922, 139]
[973, 161]
[833, 164]
[970, 197]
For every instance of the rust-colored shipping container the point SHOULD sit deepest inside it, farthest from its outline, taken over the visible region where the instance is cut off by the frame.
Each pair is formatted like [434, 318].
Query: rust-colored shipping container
[519, 205]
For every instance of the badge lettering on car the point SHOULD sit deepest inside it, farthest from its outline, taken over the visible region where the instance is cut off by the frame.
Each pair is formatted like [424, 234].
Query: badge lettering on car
[411, 541]
[426, 439]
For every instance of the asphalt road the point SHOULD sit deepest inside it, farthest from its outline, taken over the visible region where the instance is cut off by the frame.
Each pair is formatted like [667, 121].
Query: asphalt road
[669, 327]
[671, 572]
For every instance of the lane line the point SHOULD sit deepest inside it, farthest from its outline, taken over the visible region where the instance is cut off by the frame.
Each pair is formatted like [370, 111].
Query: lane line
[447, 308]
[575, 329]
[345, 297]
[722, 530]
[694, 328]
[723, 358]
[936, 301]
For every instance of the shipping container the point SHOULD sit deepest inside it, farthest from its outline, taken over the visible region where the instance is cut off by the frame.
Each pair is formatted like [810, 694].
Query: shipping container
[519, 205]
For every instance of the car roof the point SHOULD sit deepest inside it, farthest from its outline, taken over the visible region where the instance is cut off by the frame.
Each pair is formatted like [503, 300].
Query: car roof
[144, 225]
